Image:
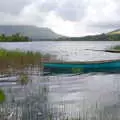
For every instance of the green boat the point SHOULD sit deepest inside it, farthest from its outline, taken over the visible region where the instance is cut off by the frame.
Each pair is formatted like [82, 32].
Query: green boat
[81, 67]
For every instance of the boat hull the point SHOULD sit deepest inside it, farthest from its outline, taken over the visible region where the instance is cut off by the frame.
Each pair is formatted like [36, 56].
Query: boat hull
[79, 67]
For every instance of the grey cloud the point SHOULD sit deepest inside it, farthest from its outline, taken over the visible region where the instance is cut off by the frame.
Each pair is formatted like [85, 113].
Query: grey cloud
[108, 21]
[84, 12]
[48, 6]
[7, 19]
[66, 9]
[12, 6]
[103, 27]
[106, 25]
[72, 10]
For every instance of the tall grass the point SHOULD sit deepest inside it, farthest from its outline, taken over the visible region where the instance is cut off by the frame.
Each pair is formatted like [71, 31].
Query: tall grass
[117, 47]
[16, 59]
[114, 48]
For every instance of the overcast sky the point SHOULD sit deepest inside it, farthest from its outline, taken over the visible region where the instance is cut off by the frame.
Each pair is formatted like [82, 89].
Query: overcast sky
[67, 17]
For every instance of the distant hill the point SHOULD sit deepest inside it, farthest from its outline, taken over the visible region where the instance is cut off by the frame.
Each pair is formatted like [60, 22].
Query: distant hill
[111, 36]
[43, 34]
[114, 32]
[33, 32]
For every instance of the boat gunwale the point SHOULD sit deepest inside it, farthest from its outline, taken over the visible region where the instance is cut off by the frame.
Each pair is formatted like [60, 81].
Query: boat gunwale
[81, 62]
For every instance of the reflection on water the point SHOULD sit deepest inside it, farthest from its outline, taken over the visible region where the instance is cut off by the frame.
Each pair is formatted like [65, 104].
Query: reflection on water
[82, 93]
[88, 96]
[26, 101]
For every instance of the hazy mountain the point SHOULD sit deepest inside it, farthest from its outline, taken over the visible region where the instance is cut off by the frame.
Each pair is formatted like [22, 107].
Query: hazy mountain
[110, 36]
[32, 32]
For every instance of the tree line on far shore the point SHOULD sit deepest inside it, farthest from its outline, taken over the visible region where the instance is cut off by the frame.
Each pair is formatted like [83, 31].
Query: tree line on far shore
[17, 37]
[100, 37]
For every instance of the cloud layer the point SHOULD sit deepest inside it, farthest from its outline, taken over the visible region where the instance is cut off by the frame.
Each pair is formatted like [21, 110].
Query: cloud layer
[67, 17]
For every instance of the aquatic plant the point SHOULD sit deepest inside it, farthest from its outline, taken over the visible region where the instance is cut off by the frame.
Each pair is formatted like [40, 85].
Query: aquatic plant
[17, 59]
[23, 79]
[77, 70]
[2, 96]
[117, 47]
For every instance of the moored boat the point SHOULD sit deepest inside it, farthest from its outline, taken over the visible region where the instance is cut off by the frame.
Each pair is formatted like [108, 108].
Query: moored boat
[81, 67]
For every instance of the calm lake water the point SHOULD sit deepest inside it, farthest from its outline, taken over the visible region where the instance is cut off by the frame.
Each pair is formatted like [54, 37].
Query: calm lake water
[70, 51]
[87, 94]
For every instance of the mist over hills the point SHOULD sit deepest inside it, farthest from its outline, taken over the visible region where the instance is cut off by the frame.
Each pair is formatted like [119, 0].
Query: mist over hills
[45, 34]
[110, 36]
[33, 32]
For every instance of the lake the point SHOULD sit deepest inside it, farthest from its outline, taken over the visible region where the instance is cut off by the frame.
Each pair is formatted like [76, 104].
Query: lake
[68, 51]
[89, 96]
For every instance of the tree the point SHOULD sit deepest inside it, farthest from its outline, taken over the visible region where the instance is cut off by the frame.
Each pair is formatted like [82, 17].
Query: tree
[13, 38]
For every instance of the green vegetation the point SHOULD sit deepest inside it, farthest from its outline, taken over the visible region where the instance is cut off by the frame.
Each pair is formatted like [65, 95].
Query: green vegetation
[23, 79]
[117, 47]
[77, 70]
[101, 37]
[16, 59]
[2, 96]
[114, 32]
[14, 38]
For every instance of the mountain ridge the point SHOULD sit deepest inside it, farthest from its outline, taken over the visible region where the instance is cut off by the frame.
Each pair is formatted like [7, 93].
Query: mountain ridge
[33, 32]
[117, 31]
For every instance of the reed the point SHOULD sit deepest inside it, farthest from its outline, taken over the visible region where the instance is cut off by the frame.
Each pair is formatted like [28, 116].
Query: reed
[23, 79]
[117, 47]
[2, 96]
[16, 59]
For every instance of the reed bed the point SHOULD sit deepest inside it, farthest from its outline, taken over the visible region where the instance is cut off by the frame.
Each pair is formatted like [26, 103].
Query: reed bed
[114, 48]
[117, 47]
[15, 59]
